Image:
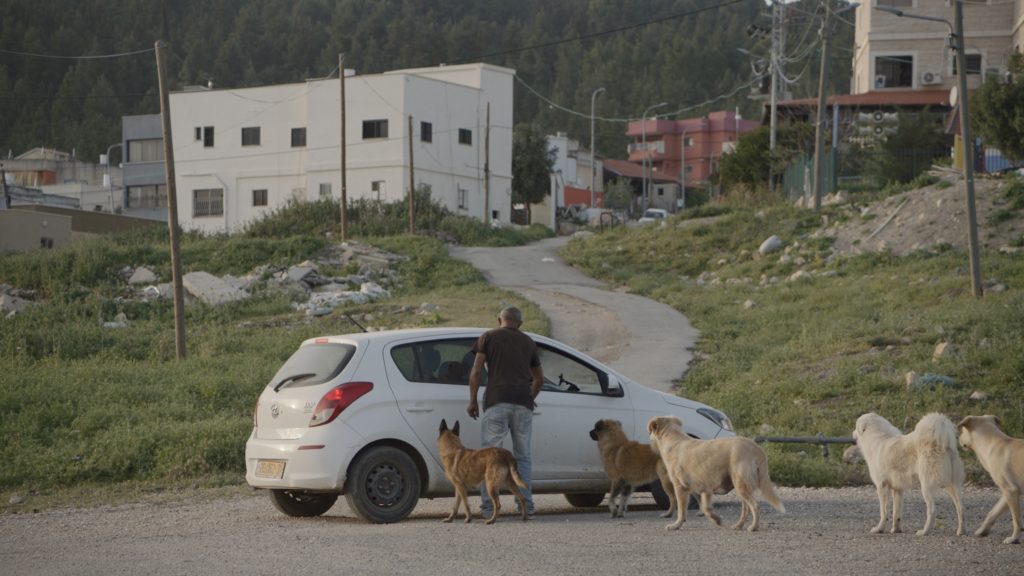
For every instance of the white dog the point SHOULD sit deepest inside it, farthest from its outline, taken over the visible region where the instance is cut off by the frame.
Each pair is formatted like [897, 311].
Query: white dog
[928, 454]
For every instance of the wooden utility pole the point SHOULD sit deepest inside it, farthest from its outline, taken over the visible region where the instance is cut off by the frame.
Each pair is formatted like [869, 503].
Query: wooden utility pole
[487, 166]
[412, 185]
[819, 130]
[172, 205]
[344, 185]
[968, 149]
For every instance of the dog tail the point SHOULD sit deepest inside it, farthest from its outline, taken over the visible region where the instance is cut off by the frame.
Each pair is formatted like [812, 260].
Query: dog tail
[938, 444]
[767, 488]
[513, 469]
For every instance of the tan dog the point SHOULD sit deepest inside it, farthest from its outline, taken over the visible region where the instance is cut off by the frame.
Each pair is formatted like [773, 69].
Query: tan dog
[706, 466]
[927, 455]
[628, 464]
[465, 469]
[1003, 458]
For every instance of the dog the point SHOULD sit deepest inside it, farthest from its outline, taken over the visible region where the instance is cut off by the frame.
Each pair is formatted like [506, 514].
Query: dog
[465, 469]
[628, 464]
[1003, 458]
[928, 454]
[707, 466]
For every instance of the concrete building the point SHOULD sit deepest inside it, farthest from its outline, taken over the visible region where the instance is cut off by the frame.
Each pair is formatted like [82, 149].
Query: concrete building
[241, 153]
[893, 53]
[144, 191]
[57, 174]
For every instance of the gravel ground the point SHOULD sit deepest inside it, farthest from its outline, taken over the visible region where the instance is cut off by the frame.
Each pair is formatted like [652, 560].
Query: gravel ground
[824, 531]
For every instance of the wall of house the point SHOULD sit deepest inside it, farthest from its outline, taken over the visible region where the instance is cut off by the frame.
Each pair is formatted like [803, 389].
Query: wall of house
[988, 29]
[297, 173]
[25, 230]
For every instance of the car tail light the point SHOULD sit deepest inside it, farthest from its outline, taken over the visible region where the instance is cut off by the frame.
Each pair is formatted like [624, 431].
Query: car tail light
[337, 400]
[255, 419]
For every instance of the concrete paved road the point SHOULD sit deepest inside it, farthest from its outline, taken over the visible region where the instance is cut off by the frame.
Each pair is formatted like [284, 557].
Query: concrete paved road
[647, 341]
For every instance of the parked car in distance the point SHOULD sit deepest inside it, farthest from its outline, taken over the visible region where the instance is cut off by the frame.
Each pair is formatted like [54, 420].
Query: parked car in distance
[653, 215]
[358, 415]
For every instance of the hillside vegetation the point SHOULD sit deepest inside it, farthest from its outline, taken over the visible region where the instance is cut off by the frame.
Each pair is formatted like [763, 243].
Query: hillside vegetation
[789, 353]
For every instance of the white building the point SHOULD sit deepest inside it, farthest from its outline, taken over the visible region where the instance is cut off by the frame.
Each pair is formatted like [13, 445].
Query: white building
[239, 154]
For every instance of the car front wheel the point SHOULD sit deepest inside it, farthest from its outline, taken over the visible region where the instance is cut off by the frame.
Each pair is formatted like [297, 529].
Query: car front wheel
[383, 485]
[302, 504]
[584, 500]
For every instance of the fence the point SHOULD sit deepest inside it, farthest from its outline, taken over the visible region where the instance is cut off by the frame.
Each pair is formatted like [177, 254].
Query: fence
[859, 169]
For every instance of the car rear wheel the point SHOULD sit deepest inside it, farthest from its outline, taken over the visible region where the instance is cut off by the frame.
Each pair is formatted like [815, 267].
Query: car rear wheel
[662, 499]
[302, 504]
[584, 500]
[383, 485]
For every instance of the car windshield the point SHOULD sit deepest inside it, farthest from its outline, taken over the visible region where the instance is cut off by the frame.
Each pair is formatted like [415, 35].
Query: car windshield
[313, 364]
[653, 214]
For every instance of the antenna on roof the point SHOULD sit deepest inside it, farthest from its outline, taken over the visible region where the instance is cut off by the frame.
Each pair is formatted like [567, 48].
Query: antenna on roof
[353, 320]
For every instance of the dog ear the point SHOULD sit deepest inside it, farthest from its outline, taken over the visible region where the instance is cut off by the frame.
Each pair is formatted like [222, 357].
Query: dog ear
[964, 423]
[599, 425]
[455, 429]
[652, 425]
[998, 421]
[442, 427]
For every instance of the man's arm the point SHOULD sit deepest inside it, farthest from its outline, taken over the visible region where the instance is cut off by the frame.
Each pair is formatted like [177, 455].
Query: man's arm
[538, 381]
[475, 374]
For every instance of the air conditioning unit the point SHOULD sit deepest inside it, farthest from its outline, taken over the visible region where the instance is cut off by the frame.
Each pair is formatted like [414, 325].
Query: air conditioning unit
[879, 80]
[931, 78]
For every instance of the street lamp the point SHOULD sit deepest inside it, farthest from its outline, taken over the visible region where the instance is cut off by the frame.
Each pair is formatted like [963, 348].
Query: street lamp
[682, 167]
[593, 154]
[956, 33]
[643, 148]
[105, 160]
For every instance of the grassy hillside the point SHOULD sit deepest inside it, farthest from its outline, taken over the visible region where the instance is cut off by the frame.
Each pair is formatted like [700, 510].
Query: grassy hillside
[91, 410]
[802, 357]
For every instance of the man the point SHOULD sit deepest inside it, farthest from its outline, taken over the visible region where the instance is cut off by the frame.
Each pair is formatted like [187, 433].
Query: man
[514, 378]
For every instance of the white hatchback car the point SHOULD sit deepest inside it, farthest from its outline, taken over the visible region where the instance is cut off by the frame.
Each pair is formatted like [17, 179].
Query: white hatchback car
[653, 215]
[358, 415]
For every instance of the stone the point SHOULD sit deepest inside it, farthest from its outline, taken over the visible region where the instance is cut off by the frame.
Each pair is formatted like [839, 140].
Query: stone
[979, 396]
[142, 275]
[749, 305]
[771, 244]
[942, 349]
[799, 276]
[210, 289]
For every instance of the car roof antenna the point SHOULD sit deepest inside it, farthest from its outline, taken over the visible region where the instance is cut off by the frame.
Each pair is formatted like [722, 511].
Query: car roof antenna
[353, 320]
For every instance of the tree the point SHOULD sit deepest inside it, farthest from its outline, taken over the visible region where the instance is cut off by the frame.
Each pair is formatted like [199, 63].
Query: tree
[531, 165]
[997, 110]
[618, 195]
[751, 164]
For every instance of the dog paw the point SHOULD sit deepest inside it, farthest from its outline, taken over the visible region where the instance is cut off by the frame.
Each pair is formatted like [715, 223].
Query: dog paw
[666, 514]
[876, 530]
[447, 520]
[981, 532]
[1011, 540]
[673, 527]
[922, 532]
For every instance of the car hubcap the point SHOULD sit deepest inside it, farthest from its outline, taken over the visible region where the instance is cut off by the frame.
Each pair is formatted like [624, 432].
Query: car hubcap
[384, 485]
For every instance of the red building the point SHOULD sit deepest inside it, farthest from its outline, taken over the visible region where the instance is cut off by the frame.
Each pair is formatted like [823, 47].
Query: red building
[705, 138]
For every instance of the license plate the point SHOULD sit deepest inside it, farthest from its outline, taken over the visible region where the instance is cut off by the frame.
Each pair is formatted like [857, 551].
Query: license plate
[270, 469]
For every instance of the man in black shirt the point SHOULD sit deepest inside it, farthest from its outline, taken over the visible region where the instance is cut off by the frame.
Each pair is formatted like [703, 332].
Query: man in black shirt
[514, 378]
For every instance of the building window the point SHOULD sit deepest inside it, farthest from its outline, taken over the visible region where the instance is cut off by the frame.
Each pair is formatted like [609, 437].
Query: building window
[973, 64]
[375, 129]
[325, 190]
[152, 196]
[259, 197]
[894, 71]
[251, 136]
[45, 242]
[688, 142]
[377, 188]
[426, 132]
[208, 202]
[463, 198]
[895, 3]
[298, 137]
[465, 136]
[151, 150]
[205, 133]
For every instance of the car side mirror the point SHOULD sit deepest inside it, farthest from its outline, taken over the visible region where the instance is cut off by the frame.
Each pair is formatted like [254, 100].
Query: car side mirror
[612, 387]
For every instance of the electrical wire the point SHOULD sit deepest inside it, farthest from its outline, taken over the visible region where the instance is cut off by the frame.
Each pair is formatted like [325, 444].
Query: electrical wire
[84, 57]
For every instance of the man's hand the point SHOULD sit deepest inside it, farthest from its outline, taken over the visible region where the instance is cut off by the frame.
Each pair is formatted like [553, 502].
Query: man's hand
[473, 409]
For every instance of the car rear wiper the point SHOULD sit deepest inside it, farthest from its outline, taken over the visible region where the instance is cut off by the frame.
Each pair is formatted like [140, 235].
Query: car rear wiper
[294, 378]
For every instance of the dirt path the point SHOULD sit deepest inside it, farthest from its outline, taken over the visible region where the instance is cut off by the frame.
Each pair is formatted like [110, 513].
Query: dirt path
[647, 341]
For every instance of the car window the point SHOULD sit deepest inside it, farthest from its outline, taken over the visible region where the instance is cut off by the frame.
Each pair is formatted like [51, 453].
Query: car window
[313, 364]
[564, 373]
[436, 361]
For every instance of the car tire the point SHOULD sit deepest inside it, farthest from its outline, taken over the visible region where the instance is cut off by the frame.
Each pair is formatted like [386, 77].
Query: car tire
[302, 504]
[663, 502]
[383, 485]
[584, 500]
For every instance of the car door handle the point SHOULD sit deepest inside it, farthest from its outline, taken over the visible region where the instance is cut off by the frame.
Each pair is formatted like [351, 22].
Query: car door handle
[419, 409]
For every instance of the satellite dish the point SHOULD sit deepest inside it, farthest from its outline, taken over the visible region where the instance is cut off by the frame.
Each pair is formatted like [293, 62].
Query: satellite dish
[953, 96]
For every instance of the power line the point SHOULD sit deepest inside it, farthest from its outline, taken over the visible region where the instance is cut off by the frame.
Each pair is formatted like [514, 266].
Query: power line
[598, 34]
[82, 57]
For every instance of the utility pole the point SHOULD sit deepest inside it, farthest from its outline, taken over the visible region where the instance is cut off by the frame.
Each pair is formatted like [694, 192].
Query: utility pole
[968, 149]
[819, 129]
[344, 186]
[172, 205]
[412, 184]
[487, 166]
[775, 60]
[593, 154]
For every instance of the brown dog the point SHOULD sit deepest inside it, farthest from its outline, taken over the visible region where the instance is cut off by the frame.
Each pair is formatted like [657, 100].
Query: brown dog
[465, 469]
[628, 464]
[706, 466]
[1002, 457]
